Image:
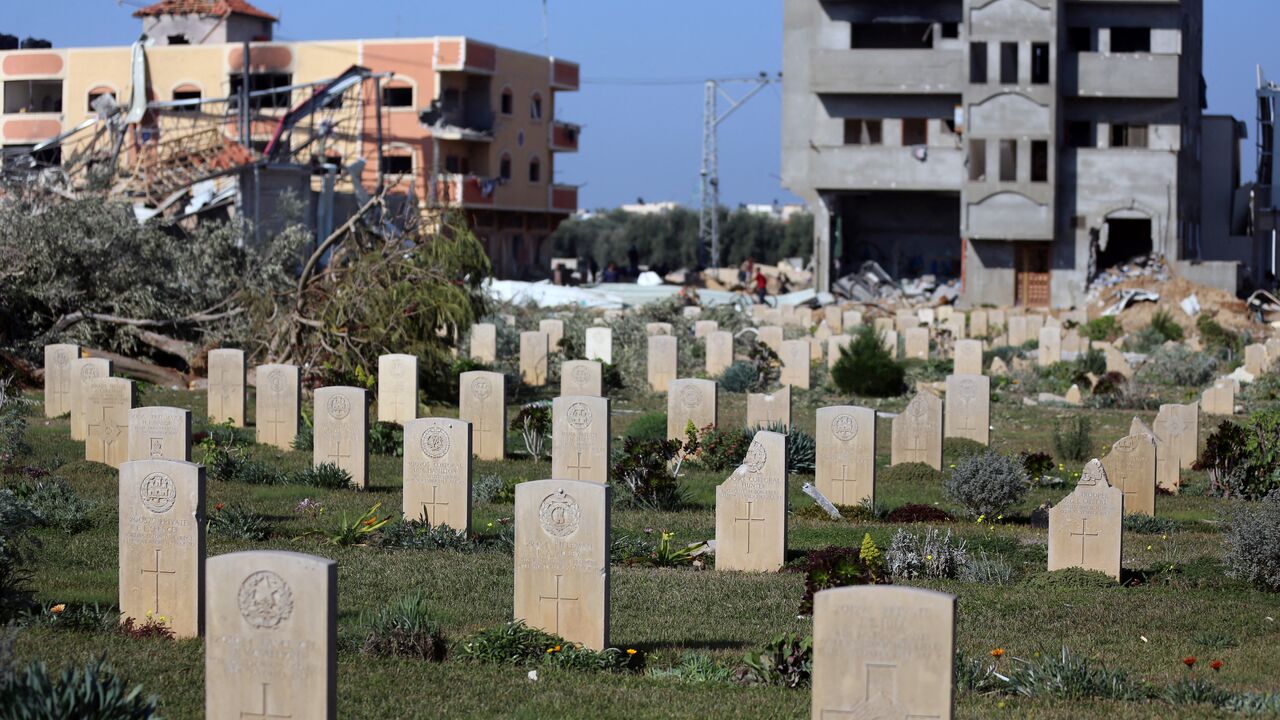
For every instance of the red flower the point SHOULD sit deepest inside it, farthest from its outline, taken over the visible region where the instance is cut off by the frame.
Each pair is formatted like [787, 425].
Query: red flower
[217, 507]
[1216, 664]
[1189, 661]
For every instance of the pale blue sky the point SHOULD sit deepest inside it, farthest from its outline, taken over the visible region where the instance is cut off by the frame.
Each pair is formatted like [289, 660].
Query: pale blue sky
[643, 140]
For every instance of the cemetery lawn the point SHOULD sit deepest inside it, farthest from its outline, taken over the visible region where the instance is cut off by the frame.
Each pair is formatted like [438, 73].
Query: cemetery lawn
[1178, 603]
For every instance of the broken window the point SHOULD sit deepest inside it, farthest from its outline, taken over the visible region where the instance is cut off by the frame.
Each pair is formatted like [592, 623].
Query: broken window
[187, 95]
[1009, 63]
[1128, 136]
[535, 170]
[891, 36]
[504, 167]
[33, 96]
[978, 63]
[950, 30]
[94, 95]
[262, 83]
[1039, 161]
[862, 132]
[457, 165]
[1080, 39]
[1008, 161]
[397, 97]
[1040, 63]
[1130, 40]
[1080, 134]
[915, 131]
[535, 107]
[179, 40]
[977, 160]
[397, 164]
[507, 102]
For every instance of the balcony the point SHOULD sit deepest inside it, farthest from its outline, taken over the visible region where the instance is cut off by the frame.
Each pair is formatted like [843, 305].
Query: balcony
[564, 136]
[885, 72]
[563, 198]
[465, 55]
[565, 75]
[465, 190]
[1127, 75]
[882, 167]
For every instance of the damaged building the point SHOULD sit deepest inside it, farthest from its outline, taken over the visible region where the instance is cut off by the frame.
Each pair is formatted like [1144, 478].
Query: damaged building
[1019, 145]
[210, 110]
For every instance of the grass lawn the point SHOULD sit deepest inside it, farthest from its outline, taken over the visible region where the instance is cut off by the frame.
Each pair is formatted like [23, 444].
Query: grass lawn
[1179, 602]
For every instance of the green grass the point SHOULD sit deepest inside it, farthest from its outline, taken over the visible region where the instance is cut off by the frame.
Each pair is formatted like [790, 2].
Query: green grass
[1144, 630]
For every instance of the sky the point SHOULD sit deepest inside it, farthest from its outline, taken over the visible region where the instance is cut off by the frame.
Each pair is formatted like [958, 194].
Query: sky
[643, 67]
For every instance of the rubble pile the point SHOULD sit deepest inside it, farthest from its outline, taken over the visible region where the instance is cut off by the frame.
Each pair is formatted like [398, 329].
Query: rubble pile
[871, 284]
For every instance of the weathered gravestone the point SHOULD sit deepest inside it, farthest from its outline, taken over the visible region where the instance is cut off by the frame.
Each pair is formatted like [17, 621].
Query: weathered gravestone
[397, 388]
[833, 316]
[955, 325]
[1168, 475]
[978, 326]
[107, 405]
[1035, 323]
[1084, 529]
[1179, 427]
[160, 433]
[998, 367]
[600, 344]
[795, 363]
[968, 360]
[1255, 359]
[917, 432]
[562, 559]
[882, 652]
[1050, 351]
[57, 378]
[719, 352]
[703, 328]
[582, 377]
[658, 328]
[815, 349]
[1219, 400]
[770, 335]
[1074, 396]
[162, 526]
[84, 370]
[1116, 362]
[662, 362]
[580, 438]
[751, 509]
[555, 333]
[226, 386]
[764, 410]
[835, 345]
[690, 311]
[968, 412]
[690, 400]
[883, 325]
[437, 472]
[889, 339]
[916, 344]
[1131, 467]
[845, 470]
[533, 358]
[851, 319]
[927, 316]
[482, 402]
[278, 405]
[1071, 341]
[1018, 331]
[342, 431]
[484, 343]
[272, 630]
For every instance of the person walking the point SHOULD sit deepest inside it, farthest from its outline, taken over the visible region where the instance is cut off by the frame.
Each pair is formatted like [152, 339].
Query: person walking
[762, 286]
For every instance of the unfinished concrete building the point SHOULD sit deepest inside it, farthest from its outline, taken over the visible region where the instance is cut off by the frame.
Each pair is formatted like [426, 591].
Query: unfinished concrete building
[1021, 145]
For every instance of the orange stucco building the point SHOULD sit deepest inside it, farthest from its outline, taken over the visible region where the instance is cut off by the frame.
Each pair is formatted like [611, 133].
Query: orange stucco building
[479, 118]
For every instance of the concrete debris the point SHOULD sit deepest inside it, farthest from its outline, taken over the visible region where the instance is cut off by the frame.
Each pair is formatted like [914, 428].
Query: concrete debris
[822, 500]
[1191, 305]
[1129, 297]
[1151, 266]
[649, 279]
[1241, 377]
[871, 284]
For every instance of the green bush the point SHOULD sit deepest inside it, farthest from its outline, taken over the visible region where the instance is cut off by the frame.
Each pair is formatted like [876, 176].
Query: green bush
[739, 377]
[237, 522]
[17, 550]
[92, 690]
[13, 423]
[927, 555]
[1253, 542]
[1146, 341]
[1144, 524]
[519, 645]
[56, 505]
[1163, 323]
[649, 426]
[1092, 361]
[1072, 579]
[413, 534]
[1244, 460]
[910, 473]
[987, 484]
[1102, 329]
[642, 474]
[386, 438]
[802, 449]
[493, 488]
[403, 629]
[1215, 337]
[955, 449]
[723, 449]
[832, 567]
[324, 475]
[785, 662]
[1072, 677]
[1074, 442]
[867, 369]
[1178, 365]
[304, 441]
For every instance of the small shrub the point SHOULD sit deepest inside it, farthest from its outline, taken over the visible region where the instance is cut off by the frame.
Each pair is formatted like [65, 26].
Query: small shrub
[13, 422]
[305, 439]
[56, 505]
[643, 471]
[987, 484]
[1092, 361]
[802, 449]
[928, 555]
[1072, 440]
[223, 435]
[519, 645]
[665, 554]
[650, 426]
[1163, 323]
[256, 472]
[1070, 677]
[17, 549]
[1145, 341]
[739, 377]
[1242, 461]
[534, 424]
[694, 667]
[832, 567]
[916, 513]
[986, 569]
[867, 369]
[418, 535]
[149, 628]
[1215, 641]
[1037, 464]
[1143, 524]
[92, 690]
[1253, 542]
[487, 488]
[786, 662]
[1103, 329]
[723, 449]
[324, 475]
[1215, 337]
[955, 449]
[1109, 388]
[1177, 365]
[237, 523]
[1072, 579]
[77, 617]
[403, 629]
[386, 438]
[353, 532]
[910, 473]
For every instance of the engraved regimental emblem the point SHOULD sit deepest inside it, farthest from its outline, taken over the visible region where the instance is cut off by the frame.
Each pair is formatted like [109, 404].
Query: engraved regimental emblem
[62, 358]
[844, 427]
[265, 600]
[339, 407]
[579, 416]
[88, 372]
[435, 442]
[157, 492]
[917, 411]
[1126, 445]
[481, 389]
[690, 397]
[756, 457]
[275, 381]
[581, 375]
[559, 515]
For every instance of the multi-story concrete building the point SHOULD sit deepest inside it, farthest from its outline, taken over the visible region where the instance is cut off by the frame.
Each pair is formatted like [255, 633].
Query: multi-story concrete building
[1021, 145]
[471, 125]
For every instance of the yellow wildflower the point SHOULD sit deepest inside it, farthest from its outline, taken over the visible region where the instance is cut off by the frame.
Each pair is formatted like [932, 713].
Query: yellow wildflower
[57, 609]
[631, 651]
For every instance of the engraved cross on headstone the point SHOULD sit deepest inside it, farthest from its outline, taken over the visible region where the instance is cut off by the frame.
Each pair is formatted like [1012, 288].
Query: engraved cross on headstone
[750, 520]
[966, 400]
[224, 395]
[842, 483]
[266, 713]
[1084, 535]
[275, 420]
[336, 455]
[157, 572]
[578, 466]
[880, 698]
[105, 431]
[435, 504]
[486, 430]
[558, 598]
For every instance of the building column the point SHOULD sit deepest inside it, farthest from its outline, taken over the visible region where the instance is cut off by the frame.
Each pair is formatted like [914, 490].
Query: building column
[820, 207]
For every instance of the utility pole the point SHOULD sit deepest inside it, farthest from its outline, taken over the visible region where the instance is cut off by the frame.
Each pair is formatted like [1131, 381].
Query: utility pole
[709, 216]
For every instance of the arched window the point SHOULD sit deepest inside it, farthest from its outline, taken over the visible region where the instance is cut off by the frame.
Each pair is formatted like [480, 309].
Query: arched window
[96, 93]
[535, 170]
[504, 166]
[535, 107]
[508, 102]
[187, 91]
